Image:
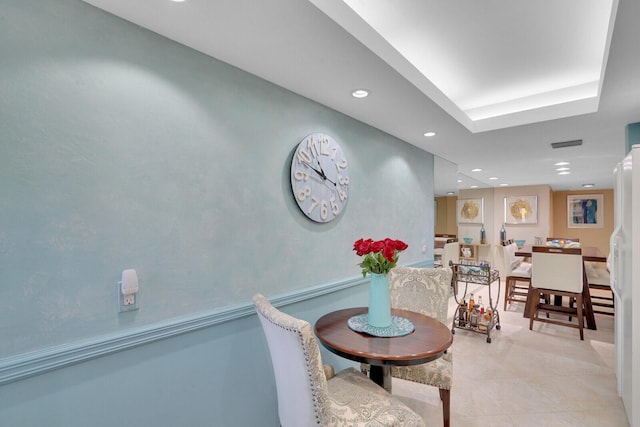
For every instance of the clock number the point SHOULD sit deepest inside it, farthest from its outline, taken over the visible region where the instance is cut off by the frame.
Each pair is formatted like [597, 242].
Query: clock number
[324, 212]
[324, 147]
[302, 175]
[314, 203]
[304, 157]
[302, 195]
[342, 194]
[334, 206]
[313, 147]
[342, 164]
[343, 181]
[334, 151]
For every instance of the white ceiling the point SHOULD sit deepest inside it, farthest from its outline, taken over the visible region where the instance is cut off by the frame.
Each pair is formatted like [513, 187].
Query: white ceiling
[450, 67]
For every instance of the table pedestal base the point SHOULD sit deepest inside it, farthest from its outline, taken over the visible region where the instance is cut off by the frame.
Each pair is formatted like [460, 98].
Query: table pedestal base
[381, 375]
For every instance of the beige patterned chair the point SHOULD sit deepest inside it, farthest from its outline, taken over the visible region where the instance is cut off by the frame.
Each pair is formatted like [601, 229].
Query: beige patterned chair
[426, 291]
[307, 396]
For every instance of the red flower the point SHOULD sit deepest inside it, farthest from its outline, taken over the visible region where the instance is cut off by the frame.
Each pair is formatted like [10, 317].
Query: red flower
[400, 245]
[377, 246]
[388, 252]
[380, 256]
[362, 247]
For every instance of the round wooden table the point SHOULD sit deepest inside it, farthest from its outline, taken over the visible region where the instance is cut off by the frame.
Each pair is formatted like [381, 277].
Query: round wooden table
[427, 342]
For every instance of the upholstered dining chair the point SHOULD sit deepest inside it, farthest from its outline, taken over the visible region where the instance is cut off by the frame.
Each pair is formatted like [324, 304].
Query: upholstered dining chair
[426, 291]
[517, 273]
[559, 272]
[308, 394]
[599, 280]
[450, 253]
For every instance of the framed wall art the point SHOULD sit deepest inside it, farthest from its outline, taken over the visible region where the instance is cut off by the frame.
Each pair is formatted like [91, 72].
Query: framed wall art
[521, 210]
[470, 211]
[585, 211]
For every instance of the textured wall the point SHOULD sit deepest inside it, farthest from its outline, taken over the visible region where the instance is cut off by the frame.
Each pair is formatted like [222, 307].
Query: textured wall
[121, 149]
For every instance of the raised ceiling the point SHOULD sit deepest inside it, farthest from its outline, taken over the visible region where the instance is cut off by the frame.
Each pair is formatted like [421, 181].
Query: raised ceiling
[488, 54]
[490, 64]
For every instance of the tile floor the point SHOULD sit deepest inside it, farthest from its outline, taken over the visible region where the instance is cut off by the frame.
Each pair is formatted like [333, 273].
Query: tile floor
[544, 377]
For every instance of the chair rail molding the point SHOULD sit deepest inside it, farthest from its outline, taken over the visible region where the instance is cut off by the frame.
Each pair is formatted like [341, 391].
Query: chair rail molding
[25, 365]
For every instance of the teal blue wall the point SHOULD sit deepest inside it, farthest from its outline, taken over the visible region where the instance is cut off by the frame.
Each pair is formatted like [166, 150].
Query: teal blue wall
[633, 135]
[121, 149]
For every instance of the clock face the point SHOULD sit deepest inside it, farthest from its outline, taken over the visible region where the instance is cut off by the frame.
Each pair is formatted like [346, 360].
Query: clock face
[320, 177]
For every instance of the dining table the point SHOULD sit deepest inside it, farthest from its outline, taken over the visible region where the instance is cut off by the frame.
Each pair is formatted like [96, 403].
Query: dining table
[589, 254]
[428, 341]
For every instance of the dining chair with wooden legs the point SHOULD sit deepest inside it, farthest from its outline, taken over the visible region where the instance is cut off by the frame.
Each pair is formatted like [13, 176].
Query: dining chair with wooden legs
[425, 291]
[558, 272]
[517, 276]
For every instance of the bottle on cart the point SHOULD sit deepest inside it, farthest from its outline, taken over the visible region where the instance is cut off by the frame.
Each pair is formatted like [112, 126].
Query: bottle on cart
[462, 313]
[471, 304]
[483, 321]
[473, 319]
[479, 304]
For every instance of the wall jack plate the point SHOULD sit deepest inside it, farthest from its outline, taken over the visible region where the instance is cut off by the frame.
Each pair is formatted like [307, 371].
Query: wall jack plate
[126, 302]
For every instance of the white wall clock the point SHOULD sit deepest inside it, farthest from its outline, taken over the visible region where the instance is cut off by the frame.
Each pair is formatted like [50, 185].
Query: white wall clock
[320, 177]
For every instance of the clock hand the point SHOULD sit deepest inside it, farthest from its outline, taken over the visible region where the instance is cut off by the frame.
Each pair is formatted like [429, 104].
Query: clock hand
[334, 184]
[319, 172]
[323, 174]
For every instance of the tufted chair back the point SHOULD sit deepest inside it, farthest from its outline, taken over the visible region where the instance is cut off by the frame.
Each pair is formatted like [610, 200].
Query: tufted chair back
[303, 398]
[422, 290]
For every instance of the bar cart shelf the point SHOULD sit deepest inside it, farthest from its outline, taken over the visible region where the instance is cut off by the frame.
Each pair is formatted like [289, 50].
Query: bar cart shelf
[475, 273]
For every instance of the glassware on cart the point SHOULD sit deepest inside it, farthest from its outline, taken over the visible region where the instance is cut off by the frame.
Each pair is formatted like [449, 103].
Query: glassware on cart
[476, 317]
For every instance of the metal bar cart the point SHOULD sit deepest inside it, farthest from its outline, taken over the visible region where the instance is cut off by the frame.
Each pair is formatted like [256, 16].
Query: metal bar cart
[478, 273]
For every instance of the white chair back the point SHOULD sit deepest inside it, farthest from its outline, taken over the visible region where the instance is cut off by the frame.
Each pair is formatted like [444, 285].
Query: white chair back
[557, 268]
[451, 252]
[511, 261]
[303, 397]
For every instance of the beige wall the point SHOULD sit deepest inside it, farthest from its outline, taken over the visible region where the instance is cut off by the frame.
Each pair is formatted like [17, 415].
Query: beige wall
[528, 232]
[446, 215]
[551, 217]
[598, 237]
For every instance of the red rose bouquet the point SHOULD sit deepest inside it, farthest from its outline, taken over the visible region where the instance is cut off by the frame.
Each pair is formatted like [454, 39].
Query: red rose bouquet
[379, 256]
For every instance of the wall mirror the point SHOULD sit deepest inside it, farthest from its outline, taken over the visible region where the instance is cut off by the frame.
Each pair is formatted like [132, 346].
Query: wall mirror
[445, 183]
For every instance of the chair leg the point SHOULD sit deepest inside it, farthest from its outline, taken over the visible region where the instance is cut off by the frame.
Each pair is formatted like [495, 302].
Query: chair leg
[507, 293]
[534, 300]
[445, 396]
[580, 316]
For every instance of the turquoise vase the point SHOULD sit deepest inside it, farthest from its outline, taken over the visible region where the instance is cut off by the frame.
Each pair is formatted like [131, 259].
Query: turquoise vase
[379, 302]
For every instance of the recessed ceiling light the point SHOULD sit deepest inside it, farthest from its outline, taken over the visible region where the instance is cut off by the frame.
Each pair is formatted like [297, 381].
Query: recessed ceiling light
[178, 1]
[476, 170]
[493, 178]
[360, 93]
[459, 180]
[564, 173]
[430, 133]
[561, 164]
[474, 186]
[450, 193]
[588, 185]
[562, 169]
[504, 185]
